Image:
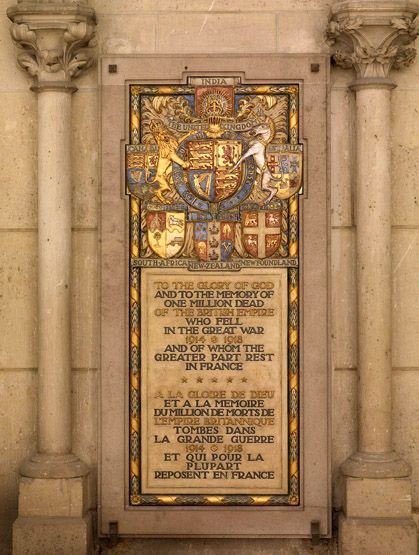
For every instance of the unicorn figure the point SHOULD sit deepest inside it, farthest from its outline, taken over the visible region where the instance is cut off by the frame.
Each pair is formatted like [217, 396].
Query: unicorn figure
[263, 135]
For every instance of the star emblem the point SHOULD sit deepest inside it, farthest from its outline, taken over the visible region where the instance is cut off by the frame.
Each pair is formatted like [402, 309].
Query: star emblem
[199, 380]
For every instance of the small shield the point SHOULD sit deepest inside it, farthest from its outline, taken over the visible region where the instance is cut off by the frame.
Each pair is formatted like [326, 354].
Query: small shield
[227, 232]
[201, 240]
[285, 163]
[214, 241]
[166, 232]
[141, 166]
[261, 232]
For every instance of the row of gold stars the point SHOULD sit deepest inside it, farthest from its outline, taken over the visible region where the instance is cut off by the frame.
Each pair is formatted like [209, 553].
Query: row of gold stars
[199, 379]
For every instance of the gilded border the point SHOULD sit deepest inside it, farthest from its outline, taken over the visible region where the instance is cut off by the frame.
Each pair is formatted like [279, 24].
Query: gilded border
[293, 496]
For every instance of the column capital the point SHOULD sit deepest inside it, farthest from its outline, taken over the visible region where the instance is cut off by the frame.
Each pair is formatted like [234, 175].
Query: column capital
[373, 37]
[56, 39]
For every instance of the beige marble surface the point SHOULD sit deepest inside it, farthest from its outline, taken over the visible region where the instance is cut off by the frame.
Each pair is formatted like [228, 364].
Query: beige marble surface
[237, 373]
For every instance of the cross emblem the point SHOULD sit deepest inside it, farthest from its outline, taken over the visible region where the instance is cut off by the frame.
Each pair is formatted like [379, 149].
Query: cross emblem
[261, 225]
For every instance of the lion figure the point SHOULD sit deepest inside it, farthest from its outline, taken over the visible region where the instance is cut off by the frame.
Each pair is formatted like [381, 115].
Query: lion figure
[168, 145]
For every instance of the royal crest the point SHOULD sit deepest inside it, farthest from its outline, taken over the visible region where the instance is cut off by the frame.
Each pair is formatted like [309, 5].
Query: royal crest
[261, 232]
[210, 168]
[166, 232]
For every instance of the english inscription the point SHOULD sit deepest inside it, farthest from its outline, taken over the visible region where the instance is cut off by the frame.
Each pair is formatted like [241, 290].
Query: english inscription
[214, 375]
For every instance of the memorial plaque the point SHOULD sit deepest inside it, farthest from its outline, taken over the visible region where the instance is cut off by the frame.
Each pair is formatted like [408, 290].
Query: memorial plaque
[214, 171]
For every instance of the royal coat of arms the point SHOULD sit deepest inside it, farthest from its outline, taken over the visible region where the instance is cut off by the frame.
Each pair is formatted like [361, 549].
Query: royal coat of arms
[213, 168]
[210, 172]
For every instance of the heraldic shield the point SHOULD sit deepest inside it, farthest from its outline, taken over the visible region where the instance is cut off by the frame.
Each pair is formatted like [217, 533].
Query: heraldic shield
[142, 163]
[214, 241]
[261, 232]
[166, 232]
[285, 162]
[210, 168]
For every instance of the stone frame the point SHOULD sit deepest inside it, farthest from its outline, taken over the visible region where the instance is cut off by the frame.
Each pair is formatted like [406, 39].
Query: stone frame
[248, 521]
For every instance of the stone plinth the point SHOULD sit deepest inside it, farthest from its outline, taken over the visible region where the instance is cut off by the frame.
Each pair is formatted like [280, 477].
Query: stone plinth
[52, 536]
[372, 536]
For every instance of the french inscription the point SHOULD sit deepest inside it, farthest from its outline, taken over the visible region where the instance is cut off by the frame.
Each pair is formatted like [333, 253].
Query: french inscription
[214, 377]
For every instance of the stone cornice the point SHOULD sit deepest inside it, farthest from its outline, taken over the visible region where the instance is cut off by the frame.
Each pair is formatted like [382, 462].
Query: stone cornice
[26, 9]
[56, 39]
[373, 37]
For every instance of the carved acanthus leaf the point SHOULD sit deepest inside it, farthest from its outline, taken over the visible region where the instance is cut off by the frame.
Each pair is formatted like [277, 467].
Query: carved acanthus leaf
[335, 29]
[357, 43]
[343, 59]
[23, 35]
[409, 26]
[29, 63]
[368, 54]
[76, 55]
[405, 57]
[26, 39]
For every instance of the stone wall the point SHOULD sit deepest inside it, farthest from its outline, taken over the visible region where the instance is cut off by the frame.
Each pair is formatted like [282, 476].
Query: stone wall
[405, 201]
[184, 26]
[18, 382]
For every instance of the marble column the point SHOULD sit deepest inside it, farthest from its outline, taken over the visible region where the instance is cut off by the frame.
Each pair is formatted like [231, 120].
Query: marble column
[374, 37]
[56, 43]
